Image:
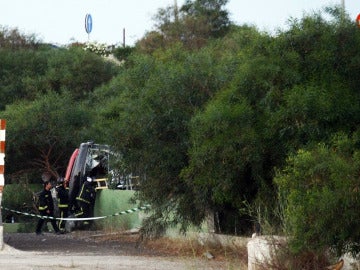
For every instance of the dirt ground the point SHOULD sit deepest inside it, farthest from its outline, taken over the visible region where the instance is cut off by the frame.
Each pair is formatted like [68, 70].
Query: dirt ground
[98, 250]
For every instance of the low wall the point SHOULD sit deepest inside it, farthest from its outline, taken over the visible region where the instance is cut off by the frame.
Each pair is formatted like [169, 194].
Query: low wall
[109, 202]
[261, 250]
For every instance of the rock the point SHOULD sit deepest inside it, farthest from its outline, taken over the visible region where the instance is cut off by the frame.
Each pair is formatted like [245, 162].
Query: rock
[208, 255]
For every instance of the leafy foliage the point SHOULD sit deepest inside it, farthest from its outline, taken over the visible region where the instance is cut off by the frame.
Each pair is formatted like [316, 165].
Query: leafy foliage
[320, 187]
[192, 25]
[208, 128]
[20, 73]
[206, 113]
[41, 134]
[14, 40]
[25, 74]
[211, 12]
[76, 71]
[122, 53]
[157, 98]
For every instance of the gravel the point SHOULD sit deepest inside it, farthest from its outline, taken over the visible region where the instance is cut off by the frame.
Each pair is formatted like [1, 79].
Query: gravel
[90, 250]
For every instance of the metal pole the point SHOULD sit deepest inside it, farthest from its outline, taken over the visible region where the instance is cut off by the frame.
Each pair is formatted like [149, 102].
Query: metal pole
[342, 10]
[176, 10]
[124, 37]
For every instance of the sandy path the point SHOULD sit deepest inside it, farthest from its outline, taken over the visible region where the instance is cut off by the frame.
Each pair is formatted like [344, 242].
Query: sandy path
[47, 261]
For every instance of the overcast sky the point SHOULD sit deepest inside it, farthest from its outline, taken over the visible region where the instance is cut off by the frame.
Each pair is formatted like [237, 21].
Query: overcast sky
[62, 21]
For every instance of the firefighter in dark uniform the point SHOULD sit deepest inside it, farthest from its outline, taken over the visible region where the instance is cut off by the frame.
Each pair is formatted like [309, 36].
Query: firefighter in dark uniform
[86, 200]
[46, 208]
[63, 202]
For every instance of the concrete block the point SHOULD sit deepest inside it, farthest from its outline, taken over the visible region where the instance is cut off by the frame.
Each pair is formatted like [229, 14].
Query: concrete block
[262, 249]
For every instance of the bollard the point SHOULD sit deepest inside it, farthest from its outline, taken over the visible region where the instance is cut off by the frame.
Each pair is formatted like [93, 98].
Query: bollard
[2, 179]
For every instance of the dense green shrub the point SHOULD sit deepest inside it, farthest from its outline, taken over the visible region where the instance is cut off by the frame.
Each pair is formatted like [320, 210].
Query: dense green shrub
[320, 190]
[20, 197]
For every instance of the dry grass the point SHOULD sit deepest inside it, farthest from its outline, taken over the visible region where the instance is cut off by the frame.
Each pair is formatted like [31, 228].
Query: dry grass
[231, 257]
[181, 247]
[192, 248]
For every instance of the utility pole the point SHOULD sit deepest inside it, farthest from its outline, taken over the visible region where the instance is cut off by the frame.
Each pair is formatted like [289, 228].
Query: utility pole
[342, 10]
[124, 37]
[176, 11]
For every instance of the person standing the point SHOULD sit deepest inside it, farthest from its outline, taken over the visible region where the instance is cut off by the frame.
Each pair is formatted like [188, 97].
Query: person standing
[86, 200]
[46, 209]
[63, 202]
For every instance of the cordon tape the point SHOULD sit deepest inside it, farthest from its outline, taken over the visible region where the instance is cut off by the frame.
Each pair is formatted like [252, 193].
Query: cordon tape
[129, 211]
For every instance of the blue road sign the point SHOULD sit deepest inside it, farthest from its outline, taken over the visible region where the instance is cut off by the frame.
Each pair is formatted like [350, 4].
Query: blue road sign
[88, 23]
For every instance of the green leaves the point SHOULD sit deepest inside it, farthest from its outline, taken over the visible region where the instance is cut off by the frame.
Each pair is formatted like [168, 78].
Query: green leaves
[221, 138]
[212, 14]
[320, 188]
[41, 134]
[77, 71]
[207, 121]
[193, 25]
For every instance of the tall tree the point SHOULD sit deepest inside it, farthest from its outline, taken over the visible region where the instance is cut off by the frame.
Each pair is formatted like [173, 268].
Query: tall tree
[211, 12]
[12, 38]
[152, 103]
[195, 24]
[42, 134]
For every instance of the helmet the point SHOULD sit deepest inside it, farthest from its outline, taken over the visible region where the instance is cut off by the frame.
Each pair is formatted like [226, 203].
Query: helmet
[60, 180]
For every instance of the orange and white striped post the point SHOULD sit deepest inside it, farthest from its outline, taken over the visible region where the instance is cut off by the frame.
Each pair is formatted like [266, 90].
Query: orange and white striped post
[2, 153]
[2, 178]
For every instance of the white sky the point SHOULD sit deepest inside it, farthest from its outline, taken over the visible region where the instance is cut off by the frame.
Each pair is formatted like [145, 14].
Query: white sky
[63, 21]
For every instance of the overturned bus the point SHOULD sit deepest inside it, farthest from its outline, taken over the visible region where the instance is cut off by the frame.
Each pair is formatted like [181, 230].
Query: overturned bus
[89, 160]
[100, 163]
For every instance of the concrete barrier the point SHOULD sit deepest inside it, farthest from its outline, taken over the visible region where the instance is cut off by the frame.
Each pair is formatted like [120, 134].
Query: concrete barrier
[262, 249]
[350, 263]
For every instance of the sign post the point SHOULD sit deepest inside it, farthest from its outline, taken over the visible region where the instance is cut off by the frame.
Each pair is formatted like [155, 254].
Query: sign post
[2, 178]
[88, 24]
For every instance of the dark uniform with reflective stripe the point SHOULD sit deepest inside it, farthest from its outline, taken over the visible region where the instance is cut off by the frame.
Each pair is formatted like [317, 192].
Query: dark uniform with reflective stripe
[46, 208]
[86, 199]
[63, 203]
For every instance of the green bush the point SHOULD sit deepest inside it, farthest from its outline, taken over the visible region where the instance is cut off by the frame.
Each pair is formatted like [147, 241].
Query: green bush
[19, 197]
[321, 194]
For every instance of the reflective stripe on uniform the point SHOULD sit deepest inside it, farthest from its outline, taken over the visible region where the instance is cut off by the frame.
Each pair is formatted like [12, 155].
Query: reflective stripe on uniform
[81, 199]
